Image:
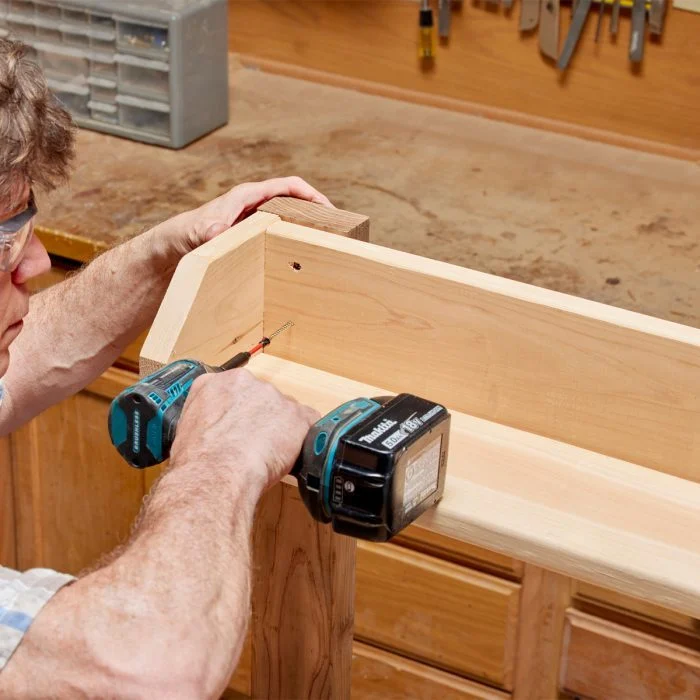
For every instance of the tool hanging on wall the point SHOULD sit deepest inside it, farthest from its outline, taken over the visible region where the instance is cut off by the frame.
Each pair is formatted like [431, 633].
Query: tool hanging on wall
[549, 28]
[639, 8]
[529, 15]
[426, 34]
[615, 19]
[444, 13]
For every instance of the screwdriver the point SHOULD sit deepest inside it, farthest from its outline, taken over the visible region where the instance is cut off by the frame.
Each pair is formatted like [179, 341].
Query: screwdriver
[426, 36]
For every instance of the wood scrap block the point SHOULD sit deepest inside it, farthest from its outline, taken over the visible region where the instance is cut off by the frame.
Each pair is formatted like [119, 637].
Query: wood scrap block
[298, 211]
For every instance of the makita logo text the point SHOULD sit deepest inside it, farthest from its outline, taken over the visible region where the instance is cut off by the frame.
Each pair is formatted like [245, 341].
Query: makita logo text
[385, 425]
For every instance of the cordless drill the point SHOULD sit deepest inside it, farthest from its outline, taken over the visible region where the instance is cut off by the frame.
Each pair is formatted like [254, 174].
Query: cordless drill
[370, 467]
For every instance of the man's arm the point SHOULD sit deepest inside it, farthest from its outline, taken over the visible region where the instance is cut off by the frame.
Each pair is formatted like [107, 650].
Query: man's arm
[167, 617]
[75, 330]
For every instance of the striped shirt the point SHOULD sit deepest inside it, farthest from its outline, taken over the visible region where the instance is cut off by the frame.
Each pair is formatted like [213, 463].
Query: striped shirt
[22, 596]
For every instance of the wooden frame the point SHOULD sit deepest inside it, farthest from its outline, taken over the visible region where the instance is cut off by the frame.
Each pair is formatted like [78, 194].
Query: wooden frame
[576, 426]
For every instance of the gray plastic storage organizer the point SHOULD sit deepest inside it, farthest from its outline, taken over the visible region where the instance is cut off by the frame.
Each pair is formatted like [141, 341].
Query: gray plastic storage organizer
[156, 70]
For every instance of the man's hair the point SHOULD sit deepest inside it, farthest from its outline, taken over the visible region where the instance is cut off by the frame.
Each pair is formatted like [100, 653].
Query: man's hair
[36, 133]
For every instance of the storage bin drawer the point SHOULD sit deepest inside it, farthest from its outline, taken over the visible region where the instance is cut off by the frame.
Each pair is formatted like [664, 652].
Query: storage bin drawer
[62, 63]
[48, 14]
[139, 76]
[23, 7]
[74, 16]
[75, 37]
[102, 89]
[147, 39]
[606, 661]
[103, 65]
[103, 112]
[19, 29]
[102, 41]
[144, 115]
[437, 612]
[73, 96]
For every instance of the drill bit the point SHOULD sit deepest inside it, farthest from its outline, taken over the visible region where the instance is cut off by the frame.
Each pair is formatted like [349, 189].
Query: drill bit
[242, 358]
[266, 341]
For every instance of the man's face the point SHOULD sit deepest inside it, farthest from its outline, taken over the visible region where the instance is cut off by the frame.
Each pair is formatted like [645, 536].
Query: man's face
[14, 296]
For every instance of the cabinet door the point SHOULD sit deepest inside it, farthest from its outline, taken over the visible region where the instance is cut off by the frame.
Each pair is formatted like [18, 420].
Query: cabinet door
[75, 498]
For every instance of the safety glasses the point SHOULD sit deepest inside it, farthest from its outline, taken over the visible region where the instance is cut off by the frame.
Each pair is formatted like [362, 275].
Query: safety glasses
[15, 234]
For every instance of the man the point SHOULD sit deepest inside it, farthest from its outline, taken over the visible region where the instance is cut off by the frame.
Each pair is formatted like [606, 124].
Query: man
[165, 617]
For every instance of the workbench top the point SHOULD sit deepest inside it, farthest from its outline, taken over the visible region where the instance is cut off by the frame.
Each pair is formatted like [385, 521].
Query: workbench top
[584, 218]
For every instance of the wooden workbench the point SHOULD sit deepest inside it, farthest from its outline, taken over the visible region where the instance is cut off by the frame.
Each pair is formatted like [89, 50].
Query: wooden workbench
[593, 220]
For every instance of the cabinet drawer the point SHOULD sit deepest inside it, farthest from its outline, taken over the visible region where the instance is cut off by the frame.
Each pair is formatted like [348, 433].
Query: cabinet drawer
[640, 609]
[451, 549]
[381, 675]
[606, 661]
[435, 611]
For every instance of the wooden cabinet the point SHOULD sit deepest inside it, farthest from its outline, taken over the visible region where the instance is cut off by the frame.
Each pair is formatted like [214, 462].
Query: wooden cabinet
[446, 615]
[7, 507]
[606, 661]
[75, 498]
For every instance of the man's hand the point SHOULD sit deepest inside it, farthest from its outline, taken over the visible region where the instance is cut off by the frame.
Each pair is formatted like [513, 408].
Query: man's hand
[187, 231]
[231, 419]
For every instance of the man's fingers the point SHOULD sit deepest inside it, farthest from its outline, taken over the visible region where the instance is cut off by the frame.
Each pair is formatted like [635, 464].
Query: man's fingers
[257, 193]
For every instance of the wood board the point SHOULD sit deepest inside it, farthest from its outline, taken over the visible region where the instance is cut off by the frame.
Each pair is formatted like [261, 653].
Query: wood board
[588, 374]
[565, 509]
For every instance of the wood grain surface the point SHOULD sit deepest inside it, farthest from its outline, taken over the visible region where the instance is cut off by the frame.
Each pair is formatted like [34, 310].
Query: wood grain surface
[75, 497]
[297, 211]
[451, 549]
[8, 552]
[488, 62]
[649, 614]
[603, 223]
[440, 613]
[604, 660]
[590, 375]
[544, 598]
[213, 306]
[380, 675]
[303, 592]
[564, 509]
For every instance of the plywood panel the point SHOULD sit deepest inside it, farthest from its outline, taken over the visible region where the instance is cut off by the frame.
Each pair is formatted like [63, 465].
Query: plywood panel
[605, 379]
[448, 616]
[488, 63]
[607, 661]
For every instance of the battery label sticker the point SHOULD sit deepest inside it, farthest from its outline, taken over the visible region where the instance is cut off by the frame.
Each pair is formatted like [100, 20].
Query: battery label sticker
[422, 474]
[408, 427]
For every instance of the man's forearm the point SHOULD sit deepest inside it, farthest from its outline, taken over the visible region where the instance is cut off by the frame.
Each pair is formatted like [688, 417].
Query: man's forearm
[167, 617]
[75, 330]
